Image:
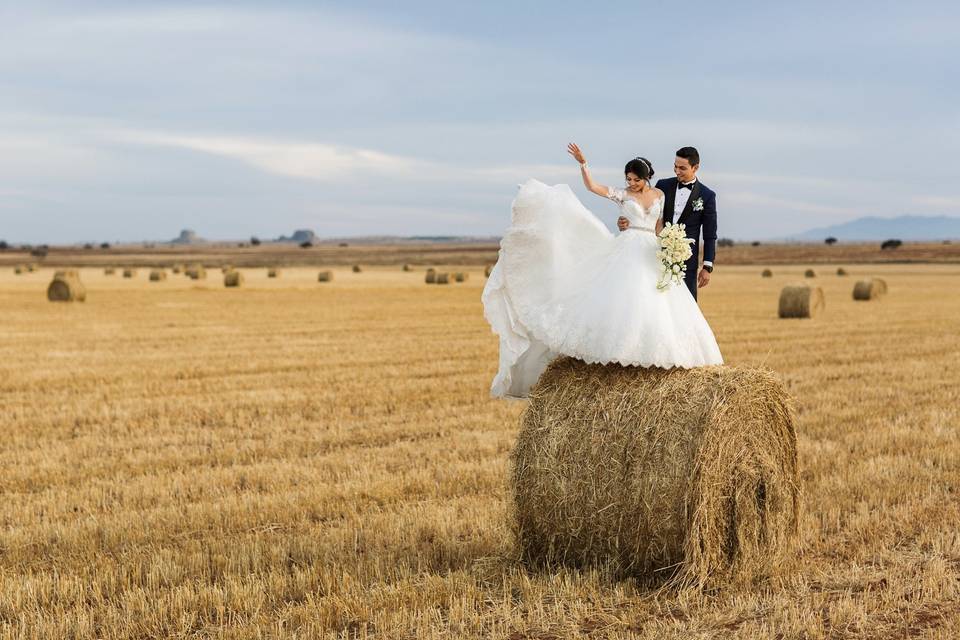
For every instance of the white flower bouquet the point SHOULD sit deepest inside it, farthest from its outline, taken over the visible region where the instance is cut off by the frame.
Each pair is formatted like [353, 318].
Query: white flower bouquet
[673, 254]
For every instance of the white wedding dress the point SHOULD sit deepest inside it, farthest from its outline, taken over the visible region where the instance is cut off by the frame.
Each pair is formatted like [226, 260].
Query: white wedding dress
[565, 285]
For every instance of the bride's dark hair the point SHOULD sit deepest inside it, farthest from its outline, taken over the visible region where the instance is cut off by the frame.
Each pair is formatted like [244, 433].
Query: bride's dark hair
[639, 167]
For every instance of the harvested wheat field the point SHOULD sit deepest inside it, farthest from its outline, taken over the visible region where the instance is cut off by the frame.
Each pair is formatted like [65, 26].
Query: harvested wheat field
[301, 460]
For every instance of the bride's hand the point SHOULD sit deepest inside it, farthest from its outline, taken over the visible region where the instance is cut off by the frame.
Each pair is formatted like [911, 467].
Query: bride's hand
[574, 150]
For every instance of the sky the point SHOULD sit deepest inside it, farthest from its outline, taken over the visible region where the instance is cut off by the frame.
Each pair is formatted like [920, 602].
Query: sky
[128, 121]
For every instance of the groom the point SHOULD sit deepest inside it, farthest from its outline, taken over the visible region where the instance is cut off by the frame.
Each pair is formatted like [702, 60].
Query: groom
[690, 202]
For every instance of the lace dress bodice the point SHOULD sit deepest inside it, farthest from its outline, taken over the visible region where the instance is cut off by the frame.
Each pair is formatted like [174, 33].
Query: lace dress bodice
[632, 210]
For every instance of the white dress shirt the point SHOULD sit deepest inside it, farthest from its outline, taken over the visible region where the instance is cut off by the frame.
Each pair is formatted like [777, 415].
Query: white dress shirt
[680, 202]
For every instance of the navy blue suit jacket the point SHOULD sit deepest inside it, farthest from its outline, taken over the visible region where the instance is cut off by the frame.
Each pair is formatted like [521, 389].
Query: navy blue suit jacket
[697, 222]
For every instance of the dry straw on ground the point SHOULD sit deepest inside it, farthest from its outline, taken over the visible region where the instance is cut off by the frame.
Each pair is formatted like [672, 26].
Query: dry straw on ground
[129, 273]
[683, 474]
[66, 287]
[443, 278]
[325, 276]
[273, 272]
[431, 276]
[232, 278]
[767, 273]
[869, 289]
[800, 301]
[158, 275]
[809, 273]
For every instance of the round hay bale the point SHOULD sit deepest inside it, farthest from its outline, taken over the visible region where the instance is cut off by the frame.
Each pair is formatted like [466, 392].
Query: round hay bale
[841, 271]
[129, 273]
[232, 278]
[767, 273]
[158, 275]
[196, 272]
[31, 268]
[66, 287]
[689, 474]
[443, 278]
[809, 273]
[18, 269]
[460, 276]
[869, 289]
[177, 268]
[431, 277]
[407, 267]
[356, 268]
[487, 270]
[325, 276]
[109, 271]
[273, 272]
[800, 301]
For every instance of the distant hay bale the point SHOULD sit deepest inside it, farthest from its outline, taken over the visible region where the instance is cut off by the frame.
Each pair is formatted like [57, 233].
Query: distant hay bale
[487, 270]
[273, 272]
[800, 301]
[460, 276]
[177, 268]
[19, 269]
[196, 272]
[66, 287]
[158, 275]
[325, 276]
[109, 271]
[31, 268]
[689, 474]
[767, 273]
[869, 289]
[226, 268]
[407, 267]
[841, 271]
[431, 277]
[809, 273]
[443, 278]
[129, 273]
[232, 278]
[356, 268]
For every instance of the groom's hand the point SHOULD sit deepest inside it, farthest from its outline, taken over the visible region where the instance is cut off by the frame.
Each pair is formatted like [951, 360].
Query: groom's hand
[622, 223]
[703, 279]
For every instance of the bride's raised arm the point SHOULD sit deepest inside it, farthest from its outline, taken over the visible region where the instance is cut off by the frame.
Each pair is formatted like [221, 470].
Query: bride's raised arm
[599, 189]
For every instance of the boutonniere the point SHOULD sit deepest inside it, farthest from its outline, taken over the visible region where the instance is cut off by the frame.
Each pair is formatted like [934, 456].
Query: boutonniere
[698, 204]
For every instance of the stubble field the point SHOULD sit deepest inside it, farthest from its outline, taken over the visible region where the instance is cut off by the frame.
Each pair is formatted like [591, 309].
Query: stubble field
[296, 459]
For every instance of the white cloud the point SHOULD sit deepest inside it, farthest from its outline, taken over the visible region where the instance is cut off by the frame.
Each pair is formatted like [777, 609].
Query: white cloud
[308, 160]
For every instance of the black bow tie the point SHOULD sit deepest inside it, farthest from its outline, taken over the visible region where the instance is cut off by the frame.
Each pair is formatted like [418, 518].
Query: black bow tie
[680, 185]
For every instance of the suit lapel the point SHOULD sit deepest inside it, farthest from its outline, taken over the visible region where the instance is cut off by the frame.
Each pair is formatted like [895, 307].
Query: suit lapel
[694, 194]
[670, 197]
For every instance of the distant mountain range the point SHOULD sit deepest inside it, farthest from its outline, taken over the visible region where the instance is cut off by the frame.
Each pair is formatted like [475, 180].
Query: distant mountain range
[901, 228]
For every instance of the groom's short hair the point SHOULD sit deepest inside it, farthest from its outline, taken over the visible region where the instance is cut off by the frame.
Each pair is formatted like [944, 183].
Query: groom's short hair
[691, 154]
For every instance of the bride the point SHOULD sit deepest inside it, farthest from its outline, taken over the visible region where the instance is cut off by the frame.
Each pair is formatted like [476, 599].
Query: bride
[565, 285]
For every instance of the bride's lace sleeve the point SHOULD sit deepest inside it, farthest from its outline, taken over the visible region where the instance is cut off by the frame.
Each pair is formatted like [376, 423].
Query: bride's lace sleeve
[616, 195]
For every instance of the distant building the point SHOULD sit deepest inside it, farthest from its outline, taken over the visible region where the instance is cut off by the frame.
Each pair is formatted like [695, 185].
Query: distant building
[299, 236]
[187, 236]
